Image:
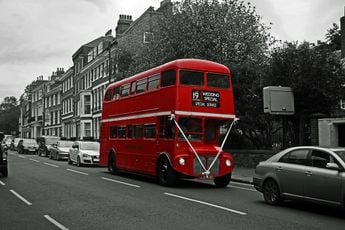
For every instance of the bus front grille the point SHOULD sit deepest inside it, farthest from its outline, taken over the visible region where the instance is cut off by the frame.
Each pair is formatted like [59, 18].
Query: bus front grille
[207, 161]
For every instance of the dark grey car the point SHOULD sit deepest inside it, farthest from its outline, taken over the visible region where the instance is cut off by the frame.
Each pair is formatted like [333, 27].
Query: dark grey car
[306, 172]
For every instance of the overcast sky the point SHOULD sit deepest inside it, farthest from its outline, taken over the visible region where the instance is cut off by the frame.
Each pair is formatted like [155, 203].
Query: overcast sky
[37, 36]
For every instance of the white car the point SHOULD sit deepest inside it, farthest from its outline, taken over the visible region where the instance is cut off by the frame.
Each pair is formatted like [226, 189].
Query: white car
[84, 153]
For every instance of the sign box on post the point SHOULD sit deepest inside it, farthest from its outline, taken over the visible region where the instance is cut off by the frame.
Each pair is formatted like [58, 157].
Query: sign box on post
[278, 100]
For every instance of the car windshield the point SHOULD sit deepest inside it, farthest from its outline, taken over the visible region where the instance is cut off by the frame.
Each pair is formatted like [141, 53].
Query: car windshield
[65, 143]
[341, 154]
[89, 145]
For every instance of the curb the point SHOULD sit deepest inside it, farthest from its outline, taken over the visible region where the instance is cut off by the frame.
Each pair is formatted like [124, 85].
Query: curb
[242, 181]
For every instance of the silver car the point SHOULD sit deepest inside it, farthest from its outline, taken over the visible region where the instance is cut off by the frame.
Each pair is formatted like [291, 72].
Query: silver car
[309, 173]
[60, 150]
[84, 152]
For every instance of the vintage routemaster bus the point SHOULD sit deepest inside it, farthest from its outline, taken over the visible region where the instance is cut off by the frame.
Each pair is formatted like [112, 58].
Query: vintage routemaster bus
[166, 122]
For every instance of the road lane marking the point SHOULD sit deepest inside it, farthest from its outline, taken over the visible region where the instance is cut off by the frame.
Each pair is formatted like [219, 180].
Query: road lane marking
[34, 160]
[120, 182]
[56, 166]
[83, 173]
[206, 203]
[21, 156]
[2, 183]
[238, 187]
[20, 197]
[57, 224]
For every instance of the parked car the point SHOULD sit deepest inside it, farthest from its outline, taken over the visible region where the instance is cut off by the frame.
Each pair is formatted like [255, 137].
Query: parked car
[84, 152]
[307, 172]
[27, 146]
[60, 150]
[45, 143]
[3, 158]
[15, 143]
[7, 142]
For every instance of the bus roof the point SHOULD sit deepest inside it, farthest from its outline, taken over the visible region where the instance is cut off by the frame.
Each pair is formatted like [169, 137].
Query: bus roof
[191, 64]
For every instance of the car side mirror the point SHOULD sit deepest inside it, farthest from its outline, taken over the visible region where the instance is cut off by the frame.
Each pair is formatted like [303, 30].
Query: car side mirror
[333, 166]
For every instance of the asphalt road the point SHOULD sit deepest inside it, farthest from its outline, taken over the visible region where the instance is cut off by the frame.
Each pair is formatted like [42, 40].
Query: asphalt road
[40, 193]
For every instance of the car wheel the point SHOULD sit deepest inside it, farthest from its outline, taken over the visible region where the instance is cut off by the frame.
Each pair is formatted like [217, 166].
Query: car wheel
[112, 163]
[5, 172]
[223, 181]
[166, 175]
[69, 160]
[271, 192]
[78, 162]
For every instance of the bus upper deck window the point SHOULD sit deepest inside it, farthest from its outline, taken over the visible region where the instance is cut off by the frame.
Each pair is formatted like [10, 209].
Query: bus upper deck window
[218, 81]
[108, 95]
[125, 90]
[168, 78]
[153, 82]
[116, 94]
[191, 78]
[141, 85]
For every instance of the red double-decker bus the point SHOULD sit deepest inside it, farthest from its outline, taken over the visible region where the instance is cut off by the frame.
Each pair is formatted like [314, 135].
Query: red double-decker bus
[166, 122]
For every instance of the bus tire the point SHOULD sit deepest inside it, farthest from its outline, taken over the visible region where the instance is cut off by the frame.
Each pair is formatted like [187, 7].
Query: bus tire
[112, 163]
[223, 181]
[5, 172]
[165, 174]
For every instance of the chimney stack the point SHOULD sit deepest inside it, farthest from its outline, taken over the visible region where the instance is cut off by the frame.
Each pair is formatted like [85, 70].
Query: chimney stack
[123, 24]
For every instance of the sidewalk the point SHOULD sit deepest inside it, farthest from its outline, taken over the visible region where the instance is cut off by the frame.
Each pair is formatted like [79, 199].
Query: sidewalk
[244, 175]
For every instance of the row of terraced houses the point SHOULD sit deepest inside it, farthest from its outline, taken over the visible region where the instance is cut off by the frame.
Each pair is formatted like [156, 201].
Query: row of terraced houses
[69, 103]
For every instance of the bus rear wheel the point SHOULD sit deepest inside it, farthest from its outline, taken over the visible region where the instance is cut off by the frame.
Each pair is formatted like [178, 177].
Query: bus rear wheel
[166, 175]
[112, 163]
[223, 181]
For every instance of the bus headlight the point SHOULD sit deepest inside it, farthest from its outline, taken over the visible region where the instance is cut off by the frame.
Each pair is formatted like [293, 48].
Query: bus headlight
[227, 162]
[182, 161]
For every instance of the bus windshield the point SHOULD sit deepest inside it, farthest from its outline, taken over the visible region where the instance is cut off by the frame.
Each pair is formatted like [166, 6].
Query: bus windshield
[192, 128]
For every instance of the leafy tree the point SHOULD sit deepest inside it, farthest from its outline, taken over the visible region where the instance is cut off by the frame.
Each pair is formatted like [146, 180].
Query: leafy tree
[333, 37]
[9, 115]
[316, 77]
[228, 32]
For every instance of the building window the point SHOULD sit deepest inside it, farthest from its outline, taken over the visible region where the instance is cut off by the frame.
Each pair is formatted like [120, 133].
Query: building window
[87, 104]
[148, 37]
[87, 129]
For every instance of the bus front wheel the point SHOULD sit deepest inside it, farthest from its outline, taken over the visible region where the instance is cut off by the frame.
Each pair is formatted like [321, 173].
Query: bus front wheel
[223, 181]
[112, 163]
[166, 175]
